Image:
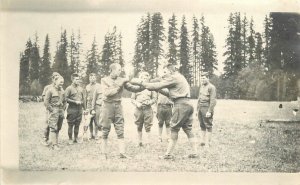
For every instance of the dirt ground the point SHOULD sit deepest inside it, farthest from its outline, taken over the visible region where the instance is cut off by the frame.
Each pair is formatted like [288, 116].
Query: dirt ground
[242, 142]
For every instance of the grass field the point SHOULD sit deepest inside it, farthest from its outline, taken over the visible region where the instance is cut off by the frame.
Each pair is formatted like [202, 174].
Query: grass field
[241, 143]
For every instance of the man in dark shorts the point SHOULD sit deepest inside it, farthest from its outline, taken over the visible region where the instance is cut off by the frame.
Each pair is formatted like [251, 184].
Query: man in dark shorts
[143, 113]
[178, 90]
[112, 112]
[75, 98]
[205, 108]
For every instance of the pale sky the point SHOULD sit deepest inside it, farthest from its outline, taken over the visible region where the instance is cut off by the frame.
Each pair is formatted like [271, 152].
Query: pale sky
[19, 26]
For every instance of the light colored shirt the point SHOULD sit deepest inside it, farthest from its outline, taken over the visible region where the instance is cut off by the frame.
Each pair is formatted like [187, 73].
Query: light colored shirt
[144, 97]
[207, 96]
[90, 90]
[55, 98]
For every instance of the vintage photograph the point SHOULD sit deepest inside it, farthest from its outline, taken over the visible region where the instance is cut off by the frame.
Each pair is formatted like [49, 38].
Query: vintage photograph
[157, 91]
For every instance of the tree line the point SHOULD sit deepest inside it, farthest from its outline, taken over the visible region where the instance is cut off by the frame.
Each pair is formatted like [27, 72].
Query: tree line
[260, 66]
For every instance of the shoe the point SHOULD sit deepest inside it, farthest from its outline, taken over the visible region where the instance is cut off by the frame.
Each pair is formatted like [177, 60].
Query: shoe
[75, 141]
[45, 143]
[97, 137]
[202, 144]
[55, 147]
[160, 139]
[91, 138]
[70, 142]
[140, 145]
[191, 156]
[123, 156]
[166, 156]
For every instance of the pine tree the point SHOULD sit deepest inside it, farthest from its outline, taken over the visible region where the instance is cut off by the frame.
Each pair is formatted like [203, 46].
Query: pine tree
[24, 83]
[45, 70]
[251, 41]
[72, 51]
[267, 40]
[212, 55]
[259, 50]
[157, 37]
[238, 44]
[245, 45]
[106, 56]
[80, 66]
[35, 61]
[185, 67]
[208, 49]
[60, 63]
[172, 39]
[230, 49]
[142, 55]
[93, 59]
[119, 50]
[196, 51]
[146, 41]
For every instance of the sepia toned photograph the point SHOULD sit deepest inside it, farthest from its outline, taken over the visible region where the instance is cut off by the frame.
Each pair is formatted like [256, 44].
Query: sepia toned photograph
[155, 90]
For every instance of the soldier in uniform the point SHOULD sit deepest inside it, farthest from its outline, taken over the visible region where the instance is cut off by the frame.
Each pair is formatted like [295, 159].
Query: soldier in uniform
[55, 103]
[143, 114]
[46, 128]
[205, 108]
[178, 90]
[76, 99]
[93, 109]
[111, 113]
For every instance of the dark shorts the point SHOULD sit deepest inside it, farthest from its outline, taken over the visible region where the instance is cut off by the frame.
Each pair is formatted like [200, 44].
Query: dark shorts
[144, 116]
[112, 113]
[55, 119]
[74, 115]
[182, 117]
[205, 123]
[164, 114]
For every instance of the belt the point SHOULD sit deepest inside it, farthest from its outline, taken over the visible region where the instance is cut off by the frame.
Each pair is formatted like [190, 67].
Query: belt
[181, 100]
[145, 107]
[165, 104]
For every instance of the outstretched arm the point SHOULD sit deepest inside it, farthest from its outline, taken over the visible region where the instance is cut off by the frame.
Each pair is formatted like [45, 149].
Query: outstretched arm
[133, 88]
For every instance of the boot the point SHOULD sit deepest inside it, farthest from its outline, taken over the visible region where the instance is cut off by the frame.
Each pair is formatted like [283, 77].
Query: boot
[160, 130]
[194, 147]
[122, 148]
[104, 147]
[171, 146]
[148, 137]
[202, 140]
[209, 134]
[140, 135]
[168, 131]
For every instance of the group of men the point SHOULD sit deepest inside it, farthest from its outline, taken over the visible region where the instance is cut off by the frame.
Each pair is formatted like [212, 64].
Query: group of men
[171, 93]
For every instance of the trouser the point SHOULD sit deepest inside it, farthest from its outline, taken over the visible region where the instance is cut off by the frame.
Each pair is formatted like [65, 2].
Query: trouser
[143, 117]
[205, 122]
[182, 117]
[46, 128]
[74, 117]
[95, 122]
[55, 121]
[112, 113]
[164, 114]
